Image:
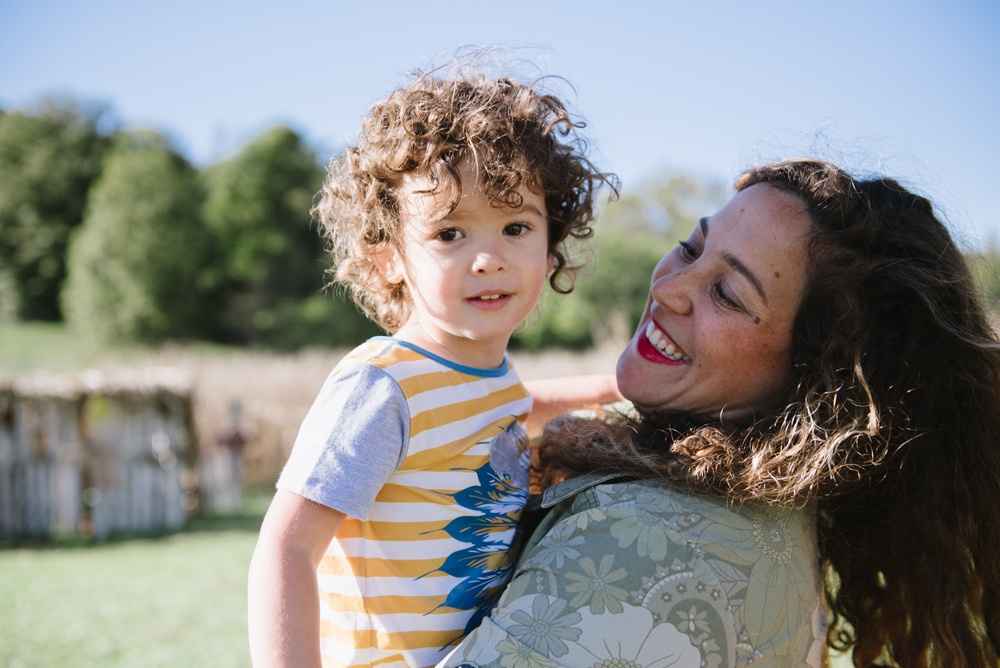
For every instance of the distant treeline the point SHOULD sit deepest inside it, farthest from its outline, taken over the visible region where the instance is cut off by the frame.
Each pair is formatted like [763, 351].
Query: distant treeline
[114, 232]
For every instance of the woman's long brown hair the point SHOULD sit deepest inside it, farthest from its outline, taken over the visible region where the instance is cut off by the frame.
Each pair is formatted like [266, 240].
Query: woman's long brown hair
[891, 427]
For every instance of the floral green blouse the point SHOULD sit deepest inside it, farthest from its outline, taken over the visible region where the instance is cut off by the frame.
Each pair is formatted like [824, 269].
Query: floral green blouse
[633, 574]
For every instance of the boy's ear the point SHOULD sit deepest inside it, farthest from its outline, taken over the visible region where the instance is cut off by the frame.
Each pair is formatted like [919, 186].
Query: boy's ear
[553, 263]
[388, 263]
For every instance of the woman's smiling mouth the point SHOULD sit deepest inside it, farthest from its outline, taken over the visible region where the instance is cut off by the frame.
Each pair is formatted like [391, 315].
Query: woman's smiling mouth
[657, 346]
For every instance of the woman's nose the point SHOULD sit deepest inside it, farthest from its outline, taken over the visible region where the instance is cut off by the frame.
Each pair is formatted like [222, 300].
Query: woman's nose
[672, 287]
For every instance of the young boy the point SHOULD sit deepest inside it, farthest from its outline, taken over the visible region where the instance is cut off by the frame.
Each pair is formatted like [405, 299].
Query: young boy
[388, 538]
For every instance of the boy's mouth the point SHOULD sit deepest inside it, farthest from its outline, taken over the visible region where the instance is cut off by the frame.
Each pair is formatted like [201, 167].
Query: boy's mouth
[663, 345]
[489, 301]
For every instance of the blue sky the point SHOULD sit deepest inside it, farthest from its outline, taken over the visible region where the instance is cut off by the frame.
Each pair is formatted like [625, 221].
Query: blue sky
[908, 88]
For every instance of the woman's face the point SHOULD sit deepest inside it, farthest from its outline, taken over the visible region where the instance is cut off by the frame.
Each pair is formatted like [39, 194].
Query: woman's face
[716, 335]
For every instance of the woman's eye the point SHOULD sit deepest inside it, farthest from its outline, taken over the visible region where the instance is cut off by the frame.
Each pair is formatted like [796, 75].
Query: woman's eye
[515, 229]
[687, 251]
[724, 297]
[448, 235]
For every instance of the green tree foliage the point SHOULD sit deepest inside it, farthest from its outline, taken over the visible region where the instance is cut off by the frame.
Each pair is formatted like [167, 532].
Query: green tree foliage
[136, 264]
[48, 160]
[232, 253]
[270, 262]
[631, 236]
[985, 267]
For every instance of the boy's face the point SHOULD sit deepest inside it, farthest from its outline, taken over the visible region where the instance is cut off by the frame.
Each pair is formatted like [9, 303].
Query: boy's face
[473, 275]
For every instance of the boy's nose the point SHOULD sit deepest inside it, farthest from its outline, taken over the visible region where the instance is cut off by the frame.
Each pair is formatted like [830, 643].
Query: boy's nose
[488, 261]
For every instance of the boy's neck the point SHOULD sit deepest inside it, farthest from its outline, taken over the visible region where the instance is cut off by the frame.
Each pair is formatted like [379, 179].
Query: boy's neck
[463, 351]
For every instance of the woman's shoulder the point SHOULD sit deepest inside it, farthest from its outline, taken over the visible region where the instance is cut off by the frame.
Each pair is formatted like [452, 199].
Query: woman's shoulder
[598, 491]
[715, 526]
[663, 499]
[655, 518]
[739, 583]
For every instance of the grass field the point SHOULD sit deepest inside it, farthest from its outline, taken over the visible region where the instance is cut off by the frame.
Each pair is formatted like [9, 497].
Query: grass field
[173, 601]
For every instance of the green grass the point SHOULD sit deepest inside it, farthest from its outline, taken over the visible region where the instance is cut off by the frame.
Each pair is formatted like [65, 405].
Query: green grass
[177, 600]
[54, 347]
[26, 346]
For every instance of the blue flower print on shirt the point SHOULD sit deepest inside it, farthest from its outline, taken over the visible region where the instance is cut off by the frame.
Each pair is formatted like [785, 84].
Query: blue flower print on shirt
[498, 499]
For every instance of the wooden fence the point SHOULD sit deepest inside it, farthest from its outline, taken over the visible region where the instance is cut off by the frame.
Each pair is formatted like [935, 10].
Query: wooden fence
[95, 456]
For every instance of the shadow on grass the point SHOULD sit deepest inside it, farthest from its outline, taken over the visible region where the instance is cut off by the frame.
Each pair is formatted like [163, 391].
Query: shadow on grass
[255, 503]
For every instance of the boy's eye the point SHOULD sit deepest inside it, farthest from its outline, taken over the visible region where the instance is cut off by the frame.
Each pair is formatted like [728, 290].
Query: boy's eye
[448, 235]
[515, 229]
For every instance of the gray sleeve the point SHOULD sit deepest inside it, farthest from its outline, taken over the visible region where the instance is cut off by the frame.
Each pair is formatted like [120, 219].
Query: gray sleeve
[350, 442]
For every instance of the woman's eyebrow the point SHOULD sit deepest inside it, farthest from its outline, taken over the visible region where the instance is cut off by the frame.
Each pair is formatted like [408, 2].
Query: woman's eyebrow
[735, 263]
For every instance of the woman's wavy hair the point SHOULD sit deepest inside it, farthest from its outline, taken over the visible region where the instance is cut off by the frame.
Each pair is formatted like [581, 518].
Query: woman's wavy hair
[518, 136]
[891, 426]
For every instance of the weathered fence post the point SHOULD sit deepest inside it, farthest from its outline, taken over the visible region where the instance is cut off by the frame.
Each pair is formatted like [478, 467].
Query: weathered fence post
[95, 456]
[41, 458]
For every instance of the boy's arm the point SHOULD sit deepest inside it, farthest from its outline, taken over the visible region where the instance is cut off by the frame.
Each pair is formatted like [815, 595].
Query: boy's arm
[555, 396]
[283, 599]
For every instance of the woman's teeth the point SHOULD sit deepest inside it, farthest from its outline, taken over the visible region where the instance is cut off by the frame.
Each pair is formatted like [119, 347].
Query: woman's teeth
[661, 343]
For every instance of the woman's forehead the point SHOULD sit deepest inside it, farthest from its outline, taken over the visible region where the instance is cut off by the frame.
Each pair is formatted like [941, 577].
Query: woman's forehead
[764, 231]
[763, 214]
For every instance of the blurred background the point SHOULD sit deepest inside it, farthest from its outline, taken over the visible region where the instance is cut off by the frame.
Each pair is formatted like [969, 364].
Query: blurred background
[163, 319]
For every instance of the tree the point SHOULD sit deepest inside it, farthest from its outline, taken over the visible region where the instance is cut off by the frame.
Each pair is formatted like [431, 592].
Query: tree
[631, 236]
[985, 266]
[270, 257]
[136, 264]
[48, 161]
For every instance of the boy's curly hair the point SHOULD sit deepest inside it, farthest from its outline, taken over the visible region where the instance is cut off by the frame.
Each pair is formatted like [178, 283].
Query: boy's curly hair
[518, 136]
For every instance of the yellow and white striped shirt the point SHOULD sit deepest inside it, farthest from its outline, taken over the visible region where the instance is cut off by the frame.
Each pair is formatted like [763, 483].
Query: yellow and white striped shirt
[411, 572]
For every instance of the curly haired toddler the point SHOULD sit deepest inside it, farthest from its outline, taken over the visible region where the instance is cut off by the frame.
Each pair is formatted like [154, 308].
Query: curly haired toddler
[388, 539]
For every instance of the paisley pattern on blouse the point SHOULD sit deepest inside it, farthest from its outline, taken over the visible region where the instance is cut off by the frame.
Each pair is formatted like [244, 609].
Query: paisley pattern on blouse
[635, 575]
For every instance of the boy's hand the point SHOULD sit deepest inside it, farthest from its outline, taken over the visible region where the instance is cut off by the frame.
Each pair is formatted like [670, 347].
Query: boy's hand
[554, 396]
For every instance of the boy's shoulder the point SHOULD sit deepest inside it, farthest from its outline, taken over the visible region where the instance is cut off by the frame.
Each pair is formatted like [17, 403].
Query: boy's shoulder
[395, 358]
[381, 352]
[386, 352]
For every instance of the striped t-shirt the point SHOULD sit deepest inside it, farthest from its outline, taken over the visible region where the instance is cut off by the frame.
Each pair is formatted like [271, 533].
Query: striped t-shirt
[428, 460]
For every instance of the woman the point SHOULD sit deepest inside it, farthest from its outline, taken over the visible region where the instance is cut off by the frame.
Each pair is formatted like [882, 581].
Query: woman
[813, 370]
